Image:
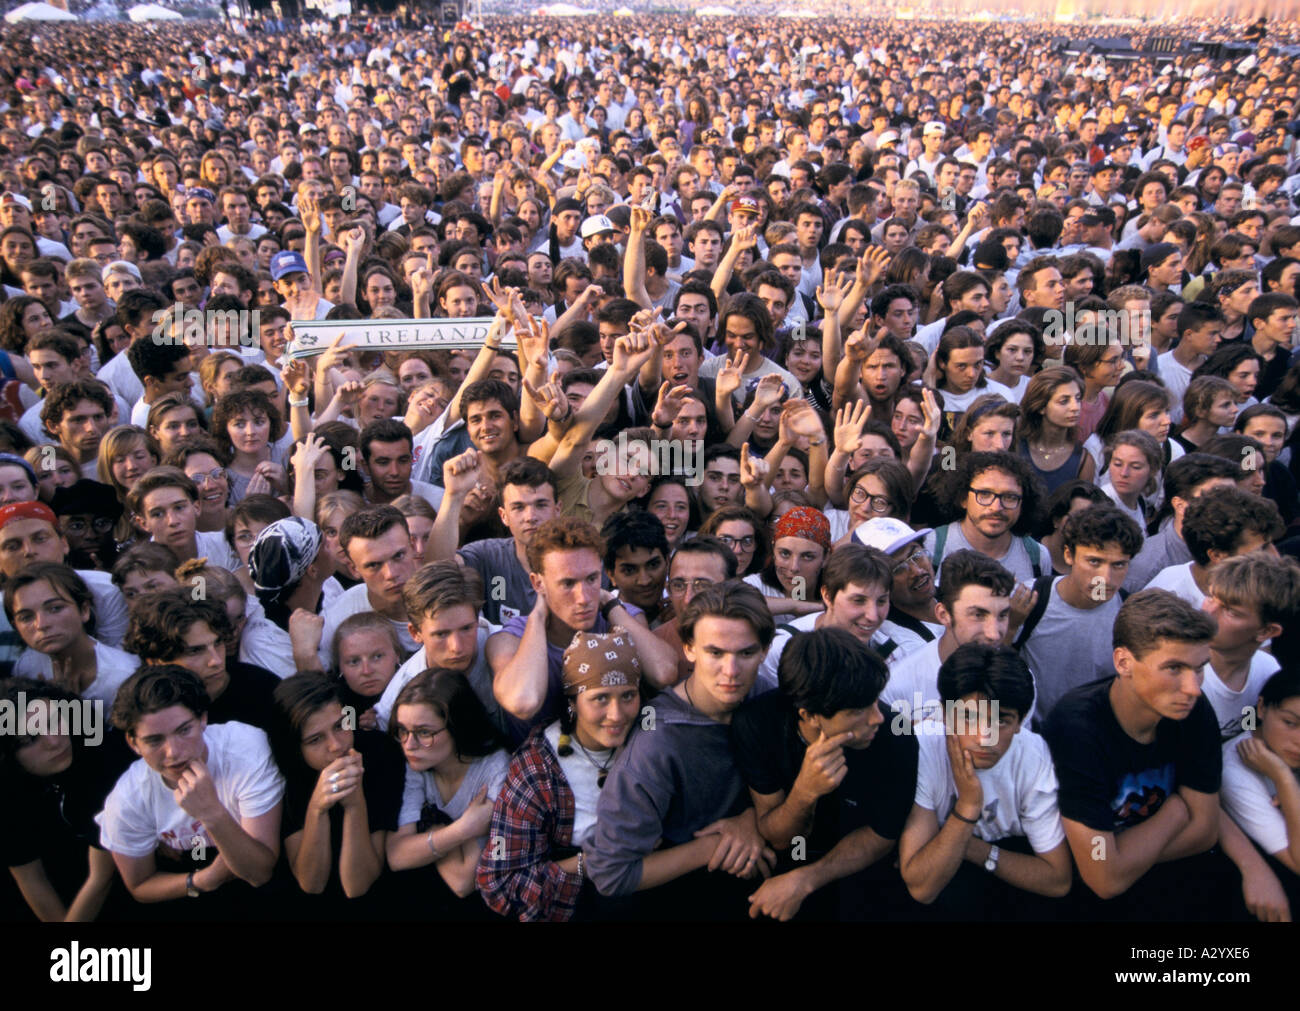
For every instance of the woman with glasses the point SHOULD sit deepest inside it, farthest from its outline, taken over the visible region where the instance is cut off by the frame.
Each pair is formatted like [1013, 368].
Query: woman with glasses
[455, 770]
[879, 488]
[204, 463]
[546, 812]
[1049, 412]
[52, 784]
[744, 535]
[343, 791]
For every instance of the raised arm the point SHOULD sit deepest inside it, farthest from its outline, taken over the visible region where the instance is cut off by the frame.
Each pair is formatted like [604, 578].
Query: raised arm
[744, 238]
[871, 267]
[634, 259]
[630, 353]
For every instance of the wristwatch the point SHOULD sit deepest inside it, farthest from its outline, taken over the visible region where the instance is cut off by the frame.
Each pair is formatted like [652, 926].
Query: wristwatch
[191, 892]
[991, 862]
[609, 606]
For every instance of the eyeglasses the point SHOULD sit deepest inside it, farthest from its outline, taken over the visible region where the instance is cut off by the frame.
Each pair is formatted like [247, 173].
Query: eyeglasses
[746, 542]
[879, 503]
[216, 476]
[424, 735]
[1008, 499]
[913, 559]
[680, 585]
[78, 526]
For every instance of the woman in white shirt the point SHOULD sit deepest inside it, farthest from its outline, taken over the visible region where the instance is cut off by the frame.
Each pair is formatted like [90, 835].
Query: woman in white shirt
[1133, 468]
[1261, 791]
[547, 810]
[1013, 350]
[455, 770]
[53, 610]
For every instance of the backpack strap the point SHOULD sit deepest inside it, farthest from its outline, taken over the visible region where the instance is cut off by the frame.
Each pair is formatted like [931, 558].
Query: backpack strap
[940, 539]
[1033, 550]
[1043, 587]
[885, 648]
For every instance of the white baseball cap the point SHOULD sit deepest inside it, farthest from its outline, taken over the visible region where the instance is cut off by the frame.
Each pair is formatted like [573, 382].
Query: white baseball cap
[884, 533]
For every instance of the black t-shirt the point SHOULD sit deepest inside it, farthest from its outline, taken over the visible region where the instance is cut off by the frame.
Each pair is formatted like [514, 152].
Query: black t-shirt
[1109, 781]
[249, 698]
[877, 792]
[53, 819]
[382, 783]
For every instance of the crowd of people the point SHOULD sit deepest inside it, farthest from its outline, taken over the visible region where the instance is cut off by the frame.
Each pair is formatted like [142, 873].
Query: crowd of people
[875, 496]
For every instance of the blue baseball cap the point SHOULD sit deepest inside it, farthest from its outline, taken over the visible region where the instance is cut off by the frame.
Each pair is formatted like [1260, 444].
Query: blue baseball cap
[287, 262]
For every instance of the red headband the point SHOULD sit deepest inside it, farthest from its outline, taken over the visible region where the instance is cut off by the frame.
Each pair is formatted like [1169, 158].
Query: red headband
[807, 523]
[27, 511]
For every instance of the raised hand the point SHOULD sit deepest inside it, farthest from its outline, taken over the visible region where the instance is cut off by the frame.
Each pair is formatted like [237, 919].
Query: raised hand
[849, 425]
[550, 400]
[307, 454]
[753, 469]
[746, 237]
[831, 292]
[640, 221]
[532, 337]
[859, 346]
[872, 265]
[297, 377]
[729, 377]
[669, 404]
[631, 352]
[309, 213]
[768, 393]
[354, 242]
[461, 473]
[800, 422]
[931, 414]
[337, 782]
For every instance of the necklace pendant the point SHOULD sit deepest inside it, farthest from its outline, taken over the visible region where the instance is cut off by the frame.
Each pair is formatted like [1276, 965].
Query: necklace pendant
[600, 780]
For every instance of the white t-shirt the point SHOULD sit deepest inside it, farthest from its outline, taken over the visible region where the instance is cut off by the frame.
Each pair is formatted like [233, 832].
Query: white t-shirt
[112, 667]
[959, 403]
[1248, 798]
[141, 813]
[1019, 792]
[1176, 376]
[478, 676]
[584, 782]
[1177, 579]
[348, 603]
[906, 641]
[767, 670]
[420, 789]
[267, 645]
[913, 685]
[711, 368]
[110, 606]
[1229, 706]
[212, 545]
[121, 378]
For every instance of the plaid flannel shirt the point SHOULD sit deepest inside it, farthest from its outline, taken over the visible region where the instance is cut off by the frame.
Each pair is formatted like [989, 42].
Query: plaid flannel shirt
[533, 815]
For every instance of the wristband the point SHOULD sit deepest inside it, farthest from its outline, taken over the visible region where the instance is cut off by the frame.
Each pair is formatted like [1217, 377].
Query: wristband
[606, 608]
[298, 403]
[582, 867]
[961, 817]
[432, 849]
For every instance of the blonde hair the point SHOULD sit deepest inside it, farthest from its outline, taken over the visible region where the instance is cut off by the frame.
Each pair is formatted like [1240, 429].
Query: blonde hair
[118, 441]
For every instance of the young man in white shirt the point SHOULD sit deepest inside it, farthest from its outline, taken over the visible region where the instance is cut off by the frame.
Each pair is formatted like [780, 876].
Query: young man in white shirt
[1252, 598]
[1222, 523]
[165, 505]
[202, 806]
[984, 838]
[974, 606]
[1200, 328]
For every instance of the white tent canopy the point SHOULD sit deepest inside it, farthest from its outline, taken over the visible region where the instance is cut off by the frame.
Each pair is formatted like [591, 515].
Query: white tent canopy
[153, 12]
[561, 11]
[39, 12]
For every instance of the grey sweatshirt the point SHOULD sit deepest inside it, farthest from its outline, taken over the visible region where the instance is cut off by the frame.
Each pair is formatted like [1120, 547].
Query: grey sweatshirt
[667, 783]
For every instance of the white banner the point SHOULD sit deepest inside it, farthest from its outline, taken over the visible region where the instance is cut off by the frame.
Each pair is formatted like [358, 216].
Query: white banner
[314, 337]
